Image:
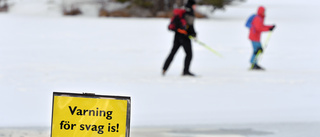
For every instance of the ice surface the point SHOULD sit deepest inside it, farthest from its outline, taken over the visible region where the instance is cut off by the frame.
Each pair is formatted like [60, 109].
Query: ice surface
[224, 130]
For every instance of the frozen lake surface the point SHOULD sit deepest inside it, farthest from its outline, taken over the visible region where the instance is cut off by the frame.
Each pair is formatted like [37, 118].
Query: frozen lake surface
[40, 54]
[236, 130]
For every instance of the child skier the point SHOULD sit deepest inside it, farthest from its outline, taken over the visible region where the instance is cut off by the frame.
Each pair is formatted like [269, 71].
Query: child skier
[256, 27]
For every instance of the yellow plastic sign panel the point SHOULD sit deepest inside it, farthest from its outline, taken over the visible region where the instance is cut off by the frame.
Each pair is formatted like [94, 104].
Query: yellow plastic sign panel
[87, 115]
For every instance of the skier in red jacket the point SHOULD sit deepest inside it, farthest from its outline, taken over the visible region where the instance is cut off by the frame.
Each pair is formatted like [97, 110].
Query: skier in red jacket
[257, 27]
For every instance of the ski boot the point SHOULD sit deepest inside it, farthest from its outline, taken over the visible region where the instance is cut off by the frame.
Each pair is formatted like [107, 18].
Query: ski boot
[188, 74]
[163, 72]
[256, 67]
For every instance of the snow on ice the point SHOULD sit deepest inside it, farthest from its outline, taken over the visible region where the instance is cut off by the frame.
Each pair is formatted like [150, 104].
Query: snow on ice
[45, 52]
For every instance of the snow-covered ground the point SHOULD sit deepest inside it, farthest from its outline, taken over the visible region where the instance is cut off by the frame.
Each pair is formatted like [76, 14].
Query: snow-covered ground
[45, 52]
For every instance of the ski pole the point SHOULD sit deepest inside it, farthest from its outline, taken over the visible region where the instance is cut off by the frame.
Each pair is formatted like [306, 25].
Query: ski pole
[264, 46]
[267, 40]
[206, 46]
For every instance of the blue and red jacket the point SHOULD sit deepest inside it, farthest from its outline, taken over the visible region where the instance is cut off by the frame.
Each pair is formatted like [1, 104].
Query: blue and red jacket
[258, 26]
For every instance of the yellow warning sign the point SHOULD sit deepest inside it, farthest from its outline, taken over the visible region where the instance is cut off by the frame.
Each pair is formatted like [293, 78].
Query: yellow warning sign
[81, 115]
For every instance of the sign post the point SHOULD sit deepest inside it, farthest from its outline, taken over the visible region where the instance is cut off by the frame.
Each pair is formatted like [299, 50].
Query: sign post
[89, 115]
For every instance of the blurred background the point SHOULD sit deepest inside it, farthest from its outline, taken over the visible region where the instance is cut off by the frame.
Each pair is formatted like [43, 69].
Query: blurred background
[116, 8]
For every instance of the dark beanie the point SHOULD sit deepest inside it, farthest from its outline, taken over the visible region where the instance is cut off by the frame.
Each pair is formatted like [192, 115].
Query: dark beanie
[188, 7]
[190, 3]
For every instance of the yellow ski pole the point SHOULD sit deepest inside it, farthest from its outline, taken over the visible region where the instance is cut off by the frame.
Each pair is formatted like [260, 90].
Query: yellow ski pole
[267, 40]
[206, 46]
[264, 46]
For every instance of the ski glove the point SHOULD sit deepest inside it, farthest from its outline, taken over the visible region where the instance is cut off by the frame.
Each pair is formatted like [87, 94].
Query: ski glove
[194, 35]
[271, 29]
[182, 31]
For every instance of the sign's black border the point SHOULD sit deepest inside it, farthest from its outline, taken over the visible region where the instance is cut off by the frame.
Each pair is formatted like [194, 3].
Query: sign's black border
[92, 95]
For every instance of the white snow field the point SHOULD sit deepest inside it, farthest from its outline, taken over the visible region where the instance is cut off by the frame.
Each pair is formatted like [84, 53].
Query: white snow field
[44, 52]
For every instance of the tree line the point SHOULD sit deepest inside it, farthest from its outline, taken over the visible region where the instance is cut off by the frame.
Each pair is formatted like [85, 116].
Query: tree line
[154, 8]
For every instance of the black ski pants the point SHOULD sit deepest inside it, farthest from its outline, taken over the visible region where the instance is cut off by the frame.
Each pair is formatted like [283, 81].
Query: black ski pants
[185, 42]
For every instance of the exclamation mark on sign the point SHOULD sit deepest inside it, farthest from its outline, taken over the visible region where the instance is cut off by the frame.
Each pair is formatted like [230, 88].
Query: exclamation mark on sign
[118, 127]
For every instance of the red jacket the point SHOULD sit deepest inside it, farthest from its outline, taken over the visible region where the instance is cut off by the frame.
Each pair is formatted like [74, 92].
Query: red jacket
[258, 26]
